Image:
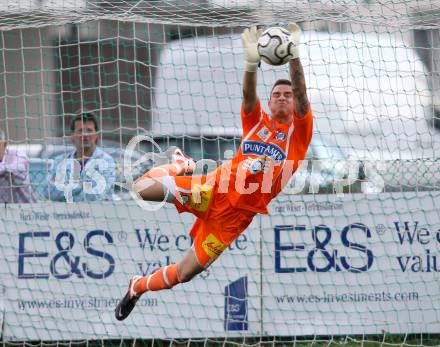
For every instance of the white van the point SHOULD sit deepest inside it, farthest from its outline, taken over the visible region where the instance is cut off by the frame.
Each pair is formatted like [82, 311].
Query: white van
[369, 94]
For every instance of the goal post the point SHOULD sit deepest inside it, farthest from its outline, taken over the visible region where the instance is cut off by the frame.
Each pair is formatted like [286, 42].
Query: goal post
[350, 251]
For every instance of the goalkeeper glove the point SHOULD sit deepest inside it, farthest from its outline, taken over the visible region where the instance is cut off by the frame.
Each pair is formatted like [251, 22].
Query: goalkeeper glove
[295, 34]
[250, 38]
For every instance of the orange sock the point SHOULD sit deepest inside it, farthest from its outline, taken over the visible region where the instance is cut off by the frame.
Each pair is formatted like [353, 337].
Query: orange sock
[164, 278]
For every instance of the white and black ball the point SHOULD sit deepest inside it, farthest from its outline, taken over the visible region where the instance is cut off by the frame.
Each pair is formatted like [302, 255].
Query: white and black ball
[274, 46]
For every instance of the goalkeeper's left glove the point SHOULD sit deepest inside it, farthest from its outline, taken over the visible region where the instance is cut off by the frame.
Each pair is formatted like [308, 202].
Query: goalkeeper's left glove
[295, 34]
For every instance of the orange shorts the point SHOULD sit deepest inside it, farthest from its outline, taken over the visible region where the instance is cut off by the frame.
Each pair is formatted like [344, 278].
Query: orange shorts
[218, 223]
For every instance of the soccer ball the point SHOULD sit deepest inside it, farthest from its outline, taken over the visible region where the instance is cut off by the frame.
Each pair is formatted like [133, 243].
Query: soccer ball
[274, 46]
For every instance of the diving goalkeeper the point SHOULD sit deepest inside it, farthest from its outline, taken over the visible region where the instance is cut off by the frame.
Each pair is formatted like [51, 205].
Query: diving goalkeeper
[270, 150]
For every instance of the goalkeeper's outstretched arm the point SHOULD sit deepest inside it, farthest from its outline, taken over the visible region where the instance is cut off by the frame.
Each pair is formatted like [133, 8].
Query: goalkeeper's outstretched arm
[297, 73]
[299, 87]
[252, 60]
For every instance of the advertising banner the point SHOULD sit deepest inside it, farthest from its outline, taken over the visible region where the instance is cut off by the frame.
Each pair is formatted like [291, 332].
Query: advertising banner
[316, 265]
[359, 264]
[2, 308]
[65, 266]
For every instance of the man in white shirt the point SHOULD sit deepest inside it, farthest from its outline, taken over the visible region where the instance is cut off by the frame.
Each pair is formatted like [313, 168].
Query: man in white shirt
[85, 174]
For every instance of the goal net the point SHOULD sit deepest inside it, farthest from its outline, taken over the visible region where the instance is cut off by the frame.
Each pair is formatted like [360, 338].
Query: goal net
[350, 251]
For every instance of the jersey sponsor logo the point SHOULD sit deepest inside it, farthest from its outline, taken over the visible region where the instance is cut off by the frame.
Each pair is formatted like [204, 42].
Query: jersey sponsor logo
[257, 165]
[213, 247]
[184, 199]
[268, 149]
[264, 133]
[200, 197]
[254, 165]
[280, 136]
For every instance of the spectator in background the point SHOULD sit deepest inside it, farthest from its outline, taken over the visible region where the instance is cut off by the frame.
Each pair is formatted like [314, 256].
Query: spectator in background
[15, 186]
[85, 174]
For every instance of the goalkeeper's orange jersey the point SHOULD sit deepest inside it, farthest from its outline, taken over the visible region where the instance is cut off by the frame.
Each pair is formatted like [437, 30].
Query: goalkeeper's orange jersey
[268, 156]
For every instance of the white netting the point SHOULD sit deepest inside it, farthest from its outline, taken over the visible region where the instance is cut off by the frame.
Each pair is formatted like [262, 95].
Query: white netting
[326, 268]
[216, 13]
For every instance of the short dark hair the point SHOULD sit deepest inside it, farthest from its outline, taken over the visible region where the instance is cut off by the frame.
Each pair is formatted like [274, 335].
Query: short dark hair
[279, 82]
[85, 117]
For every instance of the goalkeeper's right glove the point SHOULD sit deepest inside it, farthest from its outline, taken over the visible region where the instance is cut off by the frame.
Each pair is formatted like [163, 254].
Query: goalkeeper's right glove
[250, 38]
